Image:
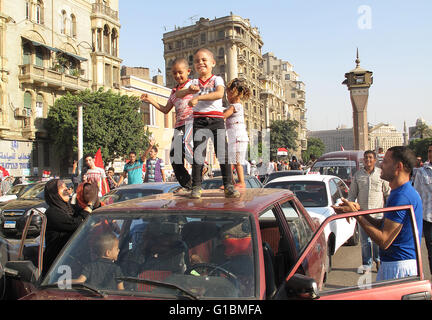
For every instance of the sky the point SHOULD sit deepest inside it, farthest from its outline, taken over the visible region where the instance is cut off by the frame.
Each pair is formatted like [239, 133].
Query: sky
[319, 38]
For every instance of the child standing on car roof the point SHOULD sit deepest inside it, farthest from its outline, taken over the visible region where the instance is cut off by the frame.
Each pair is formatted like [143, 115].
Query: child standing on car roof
[237, 91]
[181, 145]
[208, 115]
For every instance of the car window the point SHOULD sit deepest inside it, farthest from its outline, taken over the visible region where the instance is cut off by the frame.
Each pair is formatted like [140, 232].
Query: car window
[342, 188]
[298, 225]
[334, 191]
[209, 254]
[309, 193]
[35, 192]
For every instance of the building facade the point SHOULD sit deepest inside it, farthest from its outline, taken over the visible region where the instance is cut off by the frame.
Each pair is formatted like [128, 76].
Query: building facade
[134, 82]
[284, 96]
[335, 140]
[236, 46]
[384, 136]
[47, 49]
[277, 94]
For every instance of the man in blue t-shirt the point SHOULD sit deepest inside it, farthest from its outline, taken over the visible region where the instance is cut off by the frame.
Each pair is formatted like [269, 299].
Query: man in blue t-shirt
[133, 169]
[393, 233]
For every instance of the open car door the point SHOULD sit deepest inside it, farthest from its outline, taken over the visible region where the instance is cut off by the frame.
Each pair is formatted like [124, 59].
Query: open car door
[409, 288]
[23, 273]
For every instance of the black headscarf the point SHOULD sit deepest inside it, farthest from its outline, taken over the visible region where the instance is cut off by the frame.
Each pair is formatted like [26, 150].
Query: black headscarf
[53, 199]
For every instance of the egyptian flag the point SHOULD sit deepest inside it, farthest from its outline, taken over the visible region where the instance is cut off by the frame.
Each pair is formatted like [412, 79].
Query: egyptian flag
[99, 163]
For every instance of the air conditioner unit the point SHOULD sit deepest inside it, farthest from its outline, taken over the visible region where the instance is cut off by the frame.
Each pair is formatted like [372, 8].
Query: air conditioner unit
[22, 113]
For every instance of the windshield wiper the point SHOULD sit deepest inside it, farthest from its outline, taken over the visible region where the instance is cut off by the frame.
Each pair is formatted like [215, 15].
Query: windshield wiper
[158, 283]
[75, 285]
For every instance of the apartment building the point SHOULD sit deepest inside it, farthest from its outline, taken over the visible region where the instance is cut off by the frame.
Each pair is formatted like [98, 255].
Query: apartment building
[286, 99]
[49, 48]
[384, 135]
[236, 46]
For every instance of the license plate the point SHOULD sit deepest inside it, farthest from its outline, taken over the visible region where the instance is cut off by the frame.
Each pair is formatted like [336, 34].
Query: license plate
[9, 224]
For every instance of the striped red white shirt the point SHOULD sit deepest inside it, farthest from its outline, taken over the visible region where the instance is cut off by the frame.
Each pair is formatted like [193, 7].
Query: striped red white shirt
[213, 108]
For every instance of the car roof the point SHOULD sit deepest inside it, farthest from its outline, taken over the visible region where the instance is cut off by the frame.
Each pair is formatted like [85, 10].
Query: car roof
[308, 177]
[251, 200]
[149, 185]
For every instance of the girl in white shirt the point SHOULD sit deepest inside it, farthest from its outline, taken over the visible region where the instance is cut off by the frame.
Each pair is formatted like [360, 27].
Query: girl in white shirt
[237, 91]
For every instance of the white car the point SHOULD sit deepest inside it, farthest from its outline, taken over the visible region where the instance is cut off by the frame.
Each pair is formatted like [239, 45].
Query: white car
[318, 193]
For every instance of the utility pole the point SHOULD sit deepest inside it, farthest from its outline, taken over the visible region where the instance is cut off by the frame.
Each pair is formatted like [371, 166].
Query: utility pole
[80, 138]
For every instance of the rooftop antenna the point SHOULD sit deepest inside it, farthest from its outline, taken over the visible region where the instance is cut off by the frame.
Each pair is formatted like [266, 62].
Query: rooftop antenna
[193, 18]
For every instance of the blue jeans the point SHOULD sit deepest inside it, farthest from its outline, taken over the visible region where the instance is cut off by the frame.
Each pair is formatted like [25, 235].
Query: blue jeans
[369, 249]
[427, 233]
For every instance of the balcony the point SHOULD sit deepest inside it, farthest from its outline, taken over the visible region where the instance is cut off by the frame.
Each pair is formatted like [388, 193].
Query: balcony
[100, 8]
[32, 74]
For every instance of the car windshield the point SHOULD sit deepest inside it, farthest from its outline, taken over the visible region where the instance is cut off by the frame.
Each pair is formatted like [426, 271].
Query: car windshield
[127, 194]
[206, 255]
[14, 190]
[309, 193]
[342, 169]
[36, 192]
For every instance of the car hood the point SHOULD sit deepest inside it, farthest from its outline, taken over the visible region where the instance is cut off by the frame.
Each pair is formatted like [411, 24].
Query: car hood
[23, 204]
[78, 294]
[8, 197]
[319, 212]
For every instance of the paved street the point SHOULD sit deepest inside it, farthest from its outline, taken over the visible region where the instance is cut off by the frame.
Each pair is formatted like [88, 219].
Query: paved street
[346, 261]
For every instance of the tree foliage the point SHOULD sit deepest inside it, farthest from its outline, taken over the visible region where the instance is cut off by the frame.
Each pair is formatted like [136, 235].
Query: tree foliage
[315, 147]
[283, 134]
[422, 131]
[420, 147]
[110, 121]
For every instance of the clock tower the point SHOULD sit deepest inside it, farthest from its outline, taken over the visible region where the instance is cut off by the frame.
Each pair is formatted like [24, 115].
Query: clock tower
[358, 82]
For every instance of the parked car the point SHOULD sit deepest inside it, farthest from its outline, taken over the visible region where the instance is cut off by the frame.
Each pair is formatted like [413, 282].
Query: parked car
[216, 183]
[318, 193]
[132, 191]
[16, 191]
[284, 173]
[263, 245]
[342, 164]
[202, 249]
[14, 213]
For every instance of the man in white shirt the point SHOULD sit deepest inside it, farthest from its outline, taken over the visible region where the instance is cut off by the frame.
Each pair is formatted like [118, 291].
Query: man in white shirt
[423, 185]
[95, 174]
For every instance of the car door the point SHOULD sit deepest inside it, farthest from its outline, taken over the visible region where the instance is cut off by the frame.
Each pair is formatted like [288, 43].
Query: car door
[414, 287]
[343, 229]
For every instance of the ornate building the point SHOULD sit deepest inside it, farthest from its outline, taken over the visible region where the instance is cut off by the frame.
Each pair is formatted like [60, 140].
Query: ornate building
[284, 96]
[47, 49]
[236, 46]
[384, 135]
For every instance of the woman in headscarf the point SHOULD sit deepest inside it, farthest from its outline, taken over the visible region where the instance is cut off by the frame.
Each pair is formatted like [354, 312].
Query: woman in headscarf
[62, 220]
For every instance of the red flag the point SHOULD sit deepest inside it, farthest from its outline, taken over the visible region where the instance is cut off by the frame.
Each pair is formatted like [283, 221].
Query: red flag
[4, 171]
[99, 163]
[342, 148]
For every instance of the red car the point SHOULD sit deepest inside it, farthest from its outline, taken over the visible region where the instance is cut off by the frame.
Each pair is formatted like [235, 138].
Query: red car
[263, 245]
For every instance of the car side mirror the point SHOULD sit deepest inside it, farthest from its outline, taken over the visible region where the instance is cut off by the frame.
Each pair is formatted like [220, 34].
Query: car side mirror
[21, 270]
[301, 287]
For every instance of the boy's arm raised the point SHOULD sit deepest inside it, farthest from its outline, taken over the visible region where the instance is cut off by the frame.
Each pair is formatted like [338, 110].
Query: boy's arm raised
[165, 109]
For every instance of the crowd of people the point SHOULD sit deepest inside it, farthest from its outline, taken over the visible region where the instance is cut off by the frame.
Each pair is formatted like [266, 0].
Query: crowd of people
[399, 179]
[388, 239]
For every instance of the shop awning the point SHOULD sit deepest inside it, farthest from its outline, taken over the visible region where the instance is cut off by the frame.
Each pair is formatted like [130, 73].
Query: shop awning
[35, 43]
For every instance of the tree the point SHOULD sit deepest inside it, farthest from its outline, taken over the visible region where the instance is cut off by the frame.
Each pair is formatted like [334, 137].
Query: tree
[422, 130]
[110, 121]
[420, 147]
[283, 134]
[315, 147]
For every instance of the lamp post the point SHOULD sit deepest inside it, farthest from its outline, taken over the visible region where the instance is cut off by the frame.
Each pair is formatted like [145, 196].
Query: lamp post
[80, 138]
